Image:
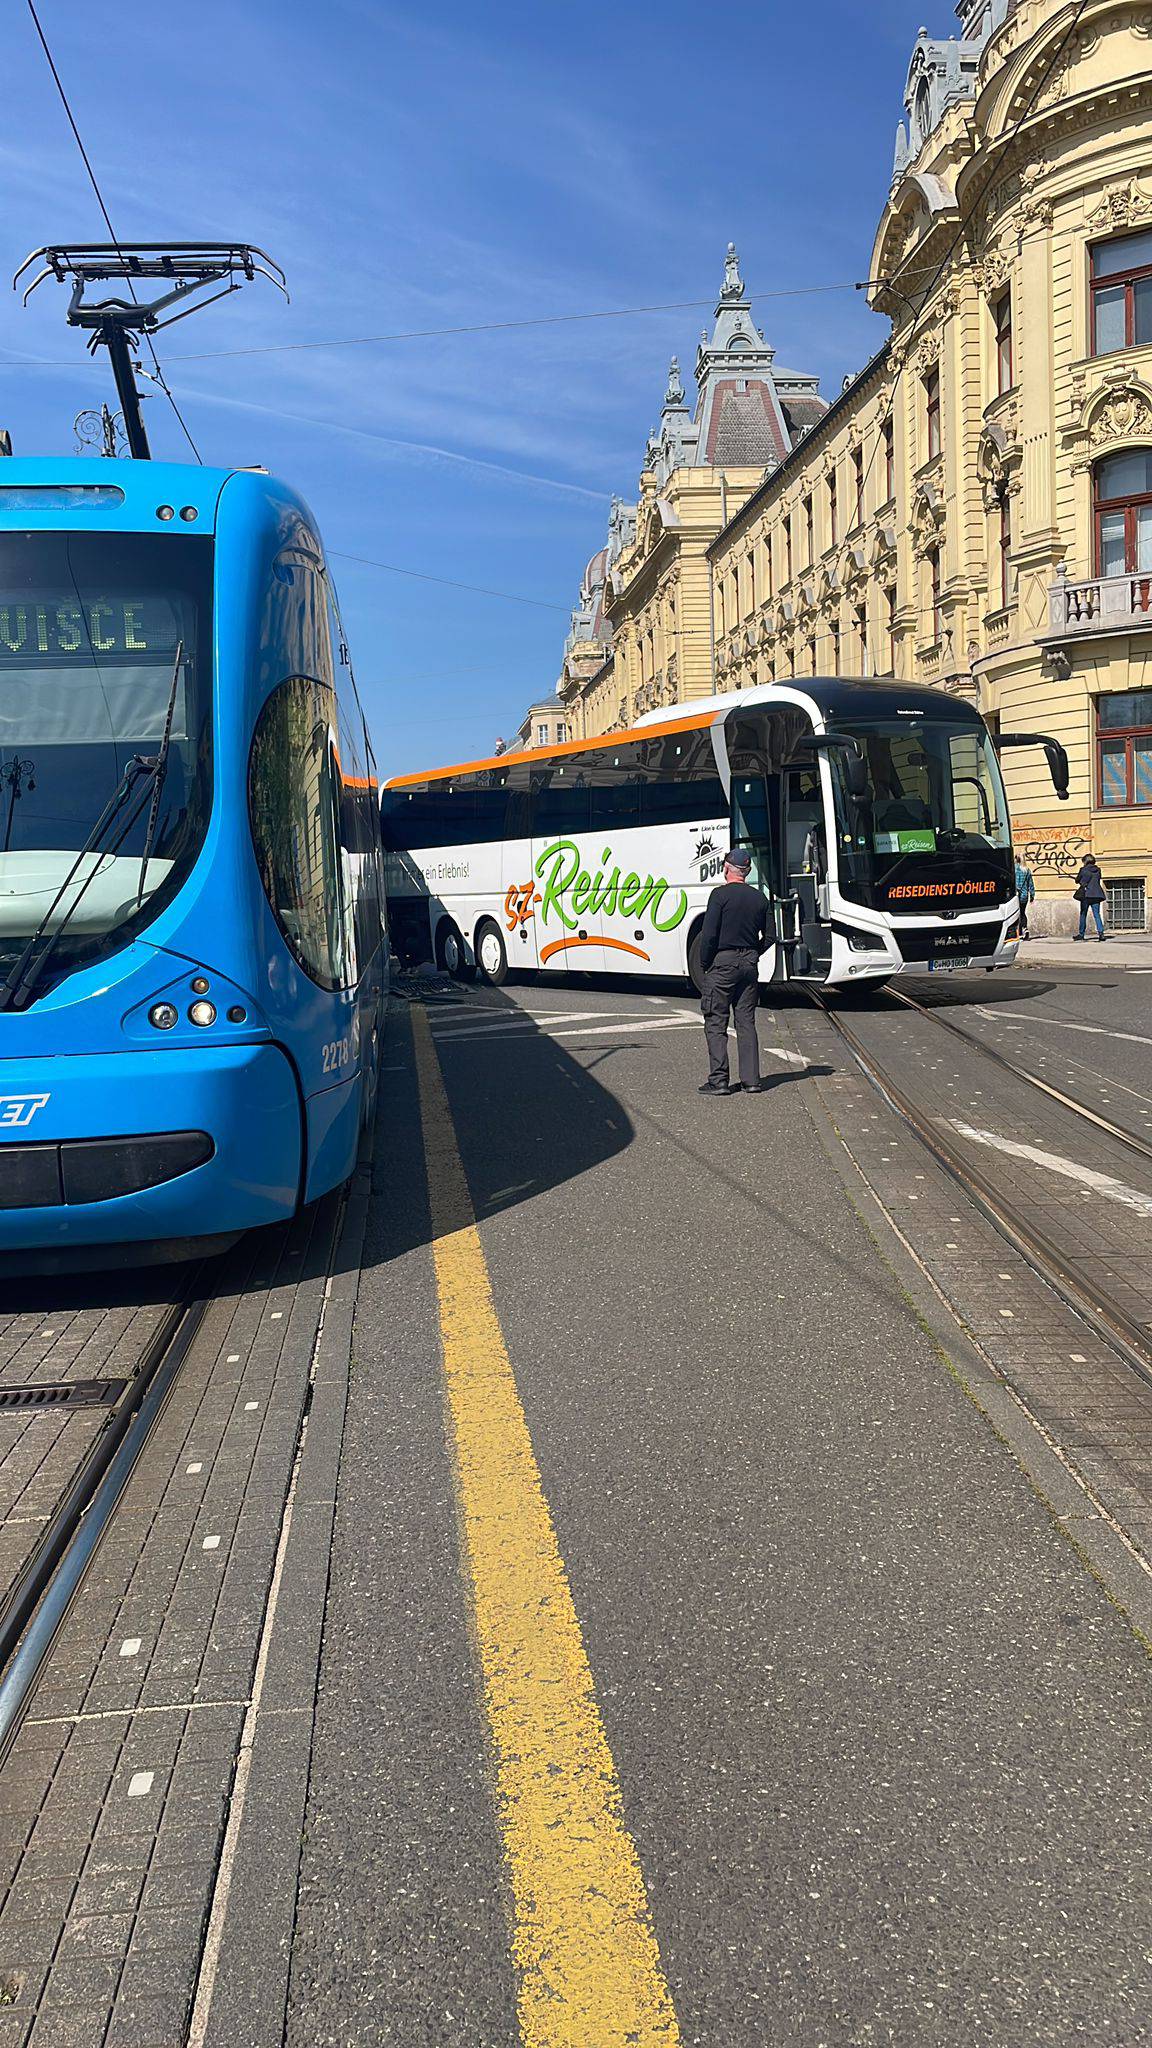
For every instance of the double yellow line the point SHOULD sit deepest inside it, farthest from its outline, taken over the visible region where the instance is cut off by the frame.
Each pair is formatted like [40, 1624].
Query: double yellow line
[588, 1966]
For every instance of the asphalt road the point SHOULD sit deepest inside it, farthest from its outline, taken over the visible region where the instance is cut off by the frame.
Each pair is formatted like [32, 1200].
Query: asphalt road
[880, 1738]
[1087, 1032]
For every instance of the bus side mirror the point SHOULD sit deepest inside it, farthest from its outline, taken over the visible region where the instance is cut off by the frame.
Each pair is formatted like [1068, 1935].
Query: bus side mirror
[1056, 756]
[855, 766]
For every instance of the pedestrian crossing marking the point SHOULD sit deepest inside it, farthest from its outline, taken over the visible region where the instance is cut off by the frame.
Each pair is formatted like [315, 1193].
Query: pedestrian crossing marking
[583, 1943]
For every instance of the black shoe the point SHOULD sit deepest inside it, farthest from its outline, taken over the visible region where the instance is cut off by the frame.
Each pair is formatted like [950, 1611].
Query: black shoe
[752, 1087]
[717, 1088]
[1077, 938]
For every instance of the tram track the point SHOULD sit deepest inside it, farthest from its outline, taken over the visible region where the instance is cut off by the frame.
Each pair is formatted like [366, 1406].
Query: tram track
[37, 1603]
[1125, 1334]
[1068, 1102]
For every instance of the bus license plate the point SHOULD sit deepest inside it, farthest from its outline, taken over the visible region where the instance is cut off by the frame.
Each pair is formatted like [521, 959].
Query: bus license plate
[946, 966]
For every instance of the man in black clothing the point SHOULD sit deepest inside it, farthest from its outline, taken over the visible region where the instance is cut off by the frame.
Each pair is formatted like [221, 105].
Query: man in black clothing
[735, 932]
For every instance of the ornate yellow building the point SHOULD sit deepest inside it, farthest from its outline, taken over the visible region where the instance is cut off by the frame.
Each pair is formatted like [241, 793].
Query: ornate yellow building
[974, 510]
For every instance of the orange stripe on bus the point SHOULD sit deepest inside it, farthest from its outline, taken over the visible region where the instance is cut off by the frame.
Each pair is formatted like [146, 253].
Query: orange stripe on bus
[696, 722]
[618, 945]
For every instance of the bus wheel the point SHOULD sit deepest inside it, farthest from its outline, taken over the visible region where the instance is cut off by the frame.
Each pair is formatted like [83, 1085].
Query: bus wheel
[491, 955]
[695, 971]
[450, 956]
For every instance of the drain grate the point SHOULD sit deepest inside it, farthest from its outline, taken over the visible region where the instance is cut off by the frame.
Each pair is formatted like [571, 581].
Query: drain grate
[72, 1394]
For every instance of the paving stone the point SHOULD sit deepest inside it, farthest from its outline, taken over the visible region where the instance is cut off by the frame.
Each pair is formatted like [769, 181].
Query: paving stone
[123, 1883]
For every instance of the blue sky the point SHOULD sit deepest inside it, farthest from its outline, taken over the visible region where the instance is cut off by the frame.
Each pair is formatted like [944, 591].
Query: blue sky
[420, 168]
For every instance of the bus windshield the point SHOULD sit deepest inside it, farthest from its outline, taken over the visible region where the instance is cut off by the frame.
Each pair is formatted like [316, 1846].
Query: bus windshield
[933, 819]
[91, 626]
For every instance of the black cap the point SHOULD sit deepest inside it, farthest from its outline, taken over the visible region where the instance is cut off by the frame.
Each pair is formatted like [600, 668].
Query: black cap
[738, 857]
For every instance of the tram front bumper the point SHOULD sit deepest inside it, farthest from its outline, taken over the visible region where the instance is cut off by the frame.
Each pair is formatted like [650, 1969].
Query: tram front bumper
[128, 1147]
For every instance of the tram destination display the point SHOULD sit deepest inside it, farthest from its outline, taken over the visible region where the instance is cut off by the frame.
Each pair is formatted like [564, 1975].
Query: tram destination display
[60, 628]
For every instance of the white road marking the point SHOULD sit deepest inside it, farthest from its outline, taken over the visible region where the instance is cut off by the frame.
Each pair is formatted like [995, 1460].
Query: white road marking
[626, 1027]
[1061, 1023]
[197, 1467]
[210, 1543]
[130, 1647]
[277, 1315]
[1100, 1183]
[643, 1023]
[233, 1358]
[140, 1783]
[475, 1020]
[249, 1405]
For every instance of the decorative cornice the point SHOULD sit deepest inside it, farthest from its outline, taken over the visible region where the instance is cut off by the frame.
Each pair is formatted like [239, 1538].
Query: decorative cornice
[1121, 414]
[1122, 205]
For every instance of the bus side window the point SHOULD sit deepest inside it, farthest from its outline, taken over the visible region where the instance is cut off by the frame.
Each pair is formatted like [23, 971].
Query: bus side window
[560, 804]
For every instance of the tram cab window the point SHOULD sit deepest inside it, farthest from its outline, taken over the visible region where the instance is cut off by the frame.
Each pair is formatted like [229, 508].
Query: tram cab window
[105, 643]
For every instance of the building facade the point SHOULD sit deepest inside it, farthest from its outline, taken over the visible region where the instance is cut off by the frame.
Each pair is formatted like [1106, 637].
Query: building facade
[642, 635]
[546, 724]
[974, 510]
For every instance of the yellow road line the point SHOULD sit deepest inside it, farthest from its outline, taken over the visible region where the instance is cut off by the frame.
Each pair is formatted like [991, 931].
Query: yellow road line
[589, 1969]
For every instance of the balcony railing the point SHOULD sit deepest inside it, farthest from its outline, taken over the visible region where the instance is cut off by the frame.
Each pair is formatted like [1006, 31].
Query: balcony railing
[1105, 604]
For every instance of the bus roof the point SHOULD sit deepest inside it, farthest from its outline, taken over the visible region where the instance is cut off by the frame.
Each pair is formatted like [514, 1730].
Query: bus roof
[687, 722]
[823, 696]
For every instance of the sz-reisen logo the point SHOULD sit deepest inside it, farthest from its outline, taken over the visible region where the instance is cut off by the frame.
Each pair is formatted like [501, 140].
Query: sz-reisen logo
[17, 1110]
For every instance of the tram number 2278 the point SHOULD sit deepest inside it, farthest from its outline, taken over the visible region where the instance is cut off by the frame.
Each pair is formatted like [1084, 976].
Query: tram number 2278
[337, 1054]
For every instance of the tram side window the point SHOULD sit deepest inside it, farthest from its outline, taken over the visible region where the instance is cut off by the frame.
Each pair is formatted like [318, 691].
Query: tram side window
[295, 637]
[294, 798]
[358, 811]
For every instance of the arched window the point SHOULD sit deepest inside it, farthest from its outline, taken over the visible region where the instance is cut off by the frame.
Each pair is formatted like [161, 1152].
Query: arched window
[1123, 503]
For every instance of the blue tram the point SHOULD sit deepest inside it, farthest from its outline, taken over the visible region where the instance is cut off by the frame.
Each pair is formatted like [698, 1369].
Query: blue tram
[192, 949]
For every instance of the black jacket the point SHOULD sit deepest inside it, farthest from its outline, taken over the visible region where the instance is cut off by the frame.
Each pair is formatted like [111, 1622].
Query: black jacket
[737, 918]
[1090, 883]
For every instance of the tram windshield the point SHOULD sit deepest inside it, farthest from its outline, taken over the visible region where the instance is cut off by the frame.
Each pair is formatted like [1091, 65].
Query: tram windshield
[932, 822]
[104, 646]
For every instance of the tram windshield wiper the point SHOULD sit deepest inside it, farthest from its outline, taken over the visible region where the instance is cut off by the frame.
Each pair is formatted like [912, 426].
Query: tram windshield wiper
[161, 770]
[16, 991]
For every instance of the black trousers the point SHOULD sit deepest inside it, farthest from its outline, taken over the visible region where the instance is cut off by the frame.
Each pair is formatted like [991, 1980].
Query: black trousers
[731, 985]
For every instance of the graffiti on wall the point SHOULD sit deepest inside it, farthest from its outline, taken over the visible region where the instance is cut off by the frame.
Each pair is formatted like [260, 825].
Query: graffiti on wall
[1050, 849]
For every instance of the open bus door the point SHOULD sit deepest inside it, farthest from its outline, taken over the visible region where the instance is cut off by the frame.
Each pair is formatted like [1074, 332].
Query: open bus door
[756, 825]
[805, 871]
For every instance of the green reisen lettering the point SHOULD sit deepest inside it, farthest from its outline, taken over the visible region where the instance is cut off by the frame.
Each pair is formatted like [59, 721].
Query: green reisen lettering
[581, 892]
[651, 896]
[629, 890]
[558, 867]
[563, 859]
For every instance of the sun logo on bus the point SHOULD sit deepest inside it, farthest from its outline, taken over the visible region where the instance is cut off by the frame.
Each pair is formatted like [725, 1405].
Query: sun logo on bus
[705, 846]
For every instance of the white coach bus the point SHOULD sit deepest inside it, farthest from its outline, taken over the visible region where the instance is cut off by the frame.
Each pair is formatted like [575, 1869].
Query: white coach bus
[874, 812]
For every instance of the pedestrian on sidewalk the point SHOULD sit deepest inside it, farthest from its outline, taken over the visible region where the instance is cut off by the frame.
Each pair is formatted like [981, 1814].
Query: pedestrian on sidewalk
[1026, 891]
[735, 931]
[1090, 893]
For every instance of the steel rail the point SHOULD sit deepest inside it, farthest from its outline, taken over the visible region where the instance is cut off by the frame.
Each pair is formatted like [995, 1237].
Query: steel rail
[35, 1608]
[1090, 1116]
[1129, 1338]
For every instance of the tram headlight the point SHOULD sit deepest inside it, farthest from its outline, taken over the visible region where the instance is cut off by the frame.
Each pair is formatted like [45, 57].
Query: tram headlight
[202, 1013]
[163, 1016]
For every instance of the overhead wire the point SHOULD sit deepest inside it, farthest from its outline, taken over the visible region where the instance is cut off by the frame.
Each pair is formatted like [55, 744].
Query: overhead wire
[507, 326]
[447, 582]
[149, 343]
